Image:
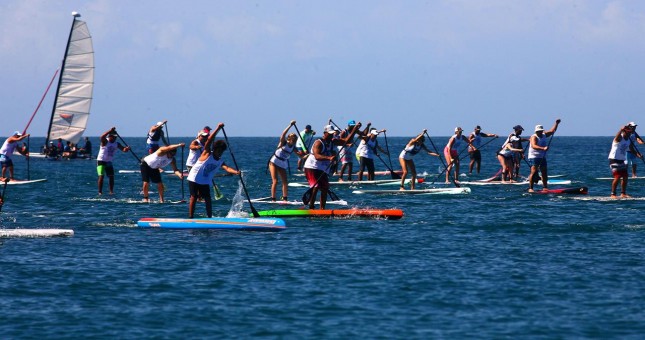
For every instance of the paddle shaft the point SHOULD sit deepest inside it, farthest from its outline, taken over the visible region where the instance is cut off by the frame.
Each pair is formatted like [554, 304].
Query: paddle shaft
[248, 198]
[4, 191]
[183, 198]
[387, 147]
[126, 144]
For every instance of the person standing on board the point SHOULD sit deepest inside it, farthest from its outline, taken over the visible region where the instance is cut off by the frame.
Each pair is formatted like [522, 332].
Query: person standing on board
[279, 162]
[451, 152]
[475, 139]
[196, 148]
[154, 135]
[201, 173]
[151, 164]
[617, 156]
[633, 156]
[319, 161]
[366, 151]
[510, 153]
[303, 149]
[107, 150]
[407, 163]
[346, 152]
[8, 147]
[537, 154]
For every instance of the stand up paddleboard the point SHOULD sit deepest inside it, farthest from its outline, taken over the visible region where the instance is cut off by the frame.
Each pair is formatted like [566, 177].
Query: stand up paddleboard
[359, 183]
[550, 182]
[267, 200]
[20, 182]
[630, 178]
[233, 223]
[390, 214]
[437, 191]
[35, 232]
[574, 191]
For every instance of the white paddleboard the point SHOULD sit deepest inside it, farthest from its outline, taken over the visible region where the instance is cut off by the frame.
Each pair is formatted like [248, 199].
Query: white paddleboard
[359, 183]
[630, 178]
[19, 182]
[436, 191]
[551, 182]
[35, 232]
[267, 200]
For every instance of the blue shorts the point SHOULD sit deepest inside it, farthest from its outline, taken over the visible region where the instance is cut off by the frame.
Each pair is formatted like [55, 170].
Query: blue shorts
[539, 162]
[5, 161]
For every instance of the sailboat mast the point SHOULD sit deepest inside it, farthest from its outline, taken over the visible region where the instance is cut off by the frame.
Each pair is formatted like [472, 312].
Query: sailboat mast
[60, 78]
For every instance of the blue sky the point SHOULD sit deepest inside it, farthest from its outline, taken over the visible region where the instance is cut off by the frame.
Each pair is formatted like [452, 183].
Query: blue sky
[402, 65]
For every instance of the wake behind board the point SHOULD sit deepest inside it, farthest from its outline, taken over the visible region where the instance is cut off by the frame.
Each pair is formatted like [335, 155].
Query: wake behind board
[436, 191]
[232, 223]
[267, 200]
[35, 232]
[390, 214]
[20, 182]
[559, 191]
[359, 183]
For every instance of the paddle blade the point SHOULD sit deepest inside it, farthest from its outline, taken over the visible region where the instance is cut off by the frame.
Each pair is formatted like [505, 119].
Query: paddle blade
[306, 197]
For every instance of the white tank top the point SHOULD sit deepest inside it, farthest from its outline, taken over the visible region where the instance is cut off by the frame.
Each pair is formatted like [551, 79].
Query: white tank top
[366, 149]
[409, 151]
[281, 156]
[313, 163]
[619, 149]
[106, 153]
[202, 172]
[193, 155]
[156, 162]
[8, 148]
[541, 141]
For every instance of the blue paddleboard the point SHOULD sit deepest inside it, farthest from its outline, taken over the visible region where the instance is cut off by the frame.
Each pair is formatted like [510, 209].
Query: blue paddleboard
[235, 223]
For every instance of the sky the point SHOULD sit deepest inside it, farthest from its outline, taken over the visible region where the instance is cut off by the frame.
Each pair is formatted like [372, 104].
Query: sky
[401, 65]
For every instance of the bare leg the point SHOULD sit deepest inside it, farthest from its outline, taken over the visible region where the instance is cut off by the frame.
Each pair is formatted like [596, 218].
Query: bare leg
[160, 188]
[404, 167]
[146, 186]
[100, 184]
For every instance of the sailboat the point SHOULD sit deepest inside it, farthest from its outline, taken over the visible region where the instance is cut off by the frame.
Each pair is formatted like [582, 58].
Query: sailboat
[71, 109]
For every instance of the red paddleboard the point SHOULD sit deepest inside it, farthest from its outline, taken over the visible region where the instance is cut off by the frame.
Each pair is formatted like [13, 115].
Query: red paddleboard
[573, 191]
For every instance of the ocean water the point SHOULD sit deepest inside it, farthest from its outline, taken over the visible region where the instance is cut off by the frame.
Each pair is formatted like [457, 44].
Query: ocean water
[498, 263]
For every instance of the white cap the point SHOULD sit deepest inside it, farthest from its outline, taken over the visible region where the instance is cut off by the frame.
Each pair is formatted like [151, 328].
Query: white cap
[159, 123]
[330, 129]
[458, 129]
[539, 128]
[17, 133]
[374, 132]
[202, 133]
[632, 124]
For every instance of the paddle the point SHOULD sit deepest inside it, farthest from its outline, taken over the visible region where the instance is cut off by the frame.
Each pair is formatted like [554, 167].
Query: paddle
[387, 147]
[248, 198]
[557, 122]
[28, 162]
[4, 191]
[445, 167]
[129, 148]
[218, 194]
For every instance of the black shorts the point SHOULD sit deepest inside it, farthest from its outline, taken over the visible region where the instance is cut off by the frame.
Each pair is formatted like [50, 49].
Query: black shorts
[149, 174]
[199, 190]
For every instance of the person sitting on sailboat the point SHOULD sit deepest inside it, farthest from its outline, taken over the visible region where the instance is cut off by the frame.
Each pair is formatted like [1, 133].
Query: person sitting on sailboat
[154, 135]
[7, 150]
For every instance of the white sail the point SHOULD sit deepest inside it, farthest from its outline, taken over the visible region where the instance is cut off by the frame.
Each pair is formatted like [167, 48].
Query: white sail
[74, 95]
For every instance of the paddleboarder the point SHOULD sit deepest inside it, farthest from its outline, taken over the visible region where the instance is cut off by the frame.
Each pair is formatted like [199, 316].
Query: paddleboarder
[319, 162]
[617, 156]
[8, 147]
[633, 156]
[107, 150]
[475, 139]
[279, 162]
[510, 154]
[154, 135]
[407, 163]
[366, 151]
[201, 174]
[451, 152]
[303, 145]
[196, 148]
[151, 164]
[539, 145]
[346, 152]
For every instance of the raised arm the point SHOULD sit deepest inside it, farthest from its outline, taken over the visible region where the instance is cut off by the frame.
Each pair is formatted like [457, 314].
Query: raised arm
[553, 129]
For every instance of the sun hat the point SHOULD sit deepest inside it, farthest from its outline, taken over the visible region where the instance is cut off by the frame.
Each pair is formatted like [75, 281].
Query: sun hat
[632, 124]
[458, 129]
[539, 128]
[330, 129]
